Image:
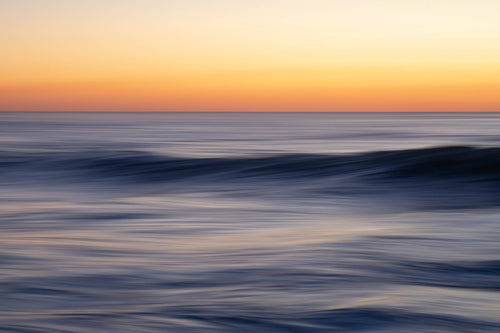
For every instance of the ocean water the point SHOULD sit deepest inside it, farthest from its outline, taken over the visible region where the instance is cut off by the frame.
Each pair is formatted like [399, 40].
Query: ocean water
[213, 222]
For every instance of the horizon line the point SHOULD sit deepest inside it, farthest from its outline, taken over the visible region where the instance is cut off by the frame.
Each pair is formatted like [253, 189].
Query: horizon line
[138, 111]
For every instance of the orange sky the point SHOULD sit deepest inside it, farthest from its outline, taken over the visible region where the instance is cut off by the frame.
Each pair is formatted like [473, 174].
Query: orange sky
[241, 55]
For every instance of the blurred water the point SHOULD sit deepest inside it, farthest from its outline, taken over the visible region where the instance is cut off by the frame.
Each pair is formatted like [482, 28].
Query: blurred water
[249, 222]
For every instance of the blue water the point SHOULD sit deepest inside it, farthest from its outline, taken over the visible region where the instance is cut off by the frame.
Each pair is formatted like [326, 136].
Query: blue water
[211, 222]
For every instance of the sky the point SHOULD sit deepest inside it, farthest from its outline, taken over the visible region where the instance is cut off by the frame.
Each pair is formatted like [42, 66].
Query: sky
[249, 55]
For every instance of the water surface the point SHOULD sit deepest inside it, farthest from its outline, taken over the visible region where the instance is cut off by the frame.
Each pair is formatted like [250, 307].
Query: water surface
[212, 222]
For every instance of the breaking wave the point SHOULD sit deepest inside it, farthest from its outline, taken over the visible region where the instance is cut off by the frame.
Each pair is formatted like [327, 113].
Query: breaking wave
[457, 162]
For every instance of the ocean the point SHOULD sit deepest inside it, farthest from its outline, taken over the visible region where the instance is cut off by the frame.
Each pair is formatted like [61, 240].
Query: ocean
[249, 222]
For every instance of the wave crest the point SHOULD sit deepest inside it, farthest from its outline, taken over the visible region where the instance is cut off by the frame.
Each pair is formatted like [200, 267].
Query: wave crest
[458, 162]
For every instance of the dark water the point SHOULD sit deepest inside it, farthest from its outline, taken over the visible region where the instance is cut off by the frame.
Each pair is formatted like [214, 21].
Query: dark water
[249, 222]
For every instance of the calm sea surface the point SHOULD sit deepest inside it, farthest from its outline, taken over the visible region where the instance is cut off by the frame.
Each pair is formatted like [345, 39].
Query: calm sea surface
[212, 222]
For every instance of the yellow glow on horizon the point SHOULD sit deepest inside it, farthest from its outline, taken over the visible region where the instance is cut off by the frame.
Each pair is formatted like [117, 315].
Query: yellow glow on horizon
[239, 55]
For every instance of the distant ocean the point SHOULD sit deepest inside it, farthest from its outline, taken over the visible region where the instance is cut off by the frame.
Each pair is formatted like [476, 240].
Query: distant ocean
[242, 222]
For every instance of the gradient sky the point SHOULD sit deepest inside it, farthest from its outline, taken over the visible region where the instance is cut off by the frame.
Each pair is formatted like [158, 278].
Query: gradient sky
[250, 55]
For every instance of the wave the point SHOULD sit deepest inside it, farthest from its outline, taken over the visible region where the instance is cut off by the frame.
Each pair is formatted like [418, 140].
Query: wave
[457, 162]
[201, 319]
